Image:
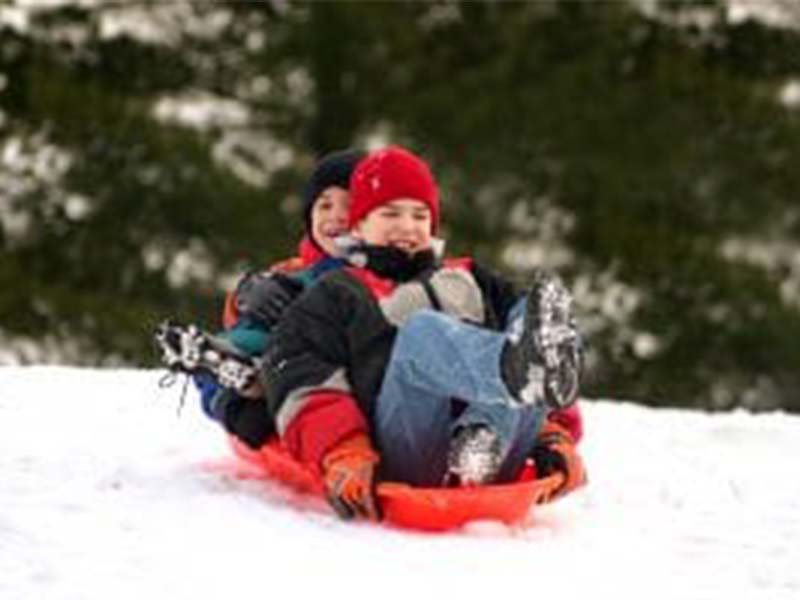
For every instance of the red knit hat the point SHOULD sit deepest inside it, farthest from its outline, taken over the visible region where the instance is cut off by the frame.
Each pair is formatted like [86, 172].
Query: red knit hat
[390, 174]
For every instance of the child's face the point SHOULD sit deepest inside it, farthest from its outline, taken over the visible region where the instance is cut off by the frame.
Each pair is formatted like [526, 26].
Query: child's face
[403, 223]
[329, 218]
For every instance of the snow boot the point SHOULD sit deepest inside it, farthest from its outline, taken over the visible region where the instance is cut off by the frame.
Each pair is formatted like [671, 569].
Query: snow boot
[544, 364]
[192, 351]
[474, 456]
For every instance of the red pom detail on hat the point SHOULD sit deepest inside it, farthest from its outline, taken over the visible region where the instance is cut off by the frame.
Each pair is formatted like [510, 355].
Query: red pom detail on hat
[391, 174]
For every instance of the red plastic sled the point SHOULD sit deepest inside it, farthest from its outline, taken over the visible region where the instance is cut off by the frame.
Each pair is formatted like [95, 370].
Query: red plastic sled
[431, 509]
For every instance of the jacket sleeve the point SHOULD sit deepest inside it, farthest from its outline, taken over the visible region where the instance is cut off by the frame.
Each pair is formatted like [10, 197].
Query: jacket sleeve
[295, 266]
[305, 374]
[499, 293]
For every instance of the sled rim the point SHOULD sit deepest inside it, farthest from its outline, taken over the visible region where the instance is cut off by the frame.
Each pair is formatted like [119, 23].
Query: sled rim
[433, 509]
[446, 509]
[541, 490]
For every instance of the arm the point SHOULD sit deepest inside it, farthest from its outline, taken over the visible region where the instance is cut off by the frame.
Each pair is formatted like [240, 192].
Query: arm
[306, 378]
[316, 413]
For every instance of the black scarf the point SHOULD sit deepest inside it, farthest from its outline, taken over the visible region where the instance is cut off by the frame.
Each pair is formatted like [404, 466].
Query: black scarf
[393, 263]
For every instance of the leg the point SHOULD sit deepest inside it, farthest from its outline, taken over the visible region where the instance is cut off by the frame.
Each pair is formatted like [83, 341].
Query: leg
[515, 428]
[436, 358]
[412, 429]
[447, 357]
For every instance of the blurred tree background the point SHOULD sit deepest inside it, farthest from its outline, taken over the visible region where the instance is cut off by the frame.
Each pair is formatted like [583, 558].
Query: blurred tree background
[646, 149]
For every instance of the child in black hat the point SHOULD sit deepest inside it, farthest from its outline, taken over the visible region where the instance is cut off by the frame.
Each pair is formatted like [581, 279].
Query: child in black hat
[260, 297]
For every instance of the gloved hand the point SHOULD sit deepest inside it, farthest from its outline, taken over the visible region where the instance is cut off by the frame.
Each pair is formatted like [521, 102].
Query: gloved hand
[555, 452]
[264, 296]
[348, 471]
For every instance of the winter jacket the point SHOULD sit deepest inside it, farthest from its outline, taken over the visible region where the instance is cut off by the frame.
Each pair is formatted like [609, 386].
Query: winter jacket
[325, 366]
[246, 418]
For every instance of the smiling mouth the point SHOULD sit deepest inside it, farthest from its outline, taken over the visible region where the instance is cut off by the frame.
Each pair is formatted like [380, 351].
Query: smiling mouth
[333, 232]
[403, 245]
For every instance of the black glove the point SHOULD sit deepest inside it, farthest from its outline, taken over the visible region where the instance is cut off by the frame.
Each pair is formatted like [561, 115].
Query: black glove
[555, 452]
[264, 296]
[548, 461]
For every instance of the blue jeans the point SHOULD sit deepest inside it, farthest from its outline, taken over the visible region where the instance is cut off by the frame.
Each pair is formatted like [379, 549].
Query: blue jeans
[444, 374]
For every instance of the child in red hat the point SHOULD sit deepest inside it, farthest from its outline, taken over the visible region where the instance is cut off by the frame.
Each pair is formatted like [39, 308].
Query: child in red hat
[408, 360]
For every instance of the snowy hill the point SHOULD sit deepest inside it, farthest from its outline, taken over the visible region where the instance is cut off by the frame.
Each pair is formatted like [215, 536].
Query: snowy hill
[106, 492]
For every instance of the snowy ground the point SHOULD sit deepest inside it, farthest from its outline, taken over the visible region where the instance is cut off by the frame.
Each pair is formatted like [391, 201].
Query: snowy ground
[106, 492]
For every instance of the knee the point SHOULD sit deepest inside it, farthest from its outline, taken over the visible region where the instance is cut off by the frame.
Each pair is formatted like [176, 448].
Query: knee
[423, 322]
[420, 330]
[413, 339]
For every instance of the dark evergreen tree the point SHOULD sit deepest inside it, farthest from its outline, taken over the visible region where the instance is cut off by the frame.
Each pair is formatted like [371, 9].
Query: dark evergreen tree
[646, 155]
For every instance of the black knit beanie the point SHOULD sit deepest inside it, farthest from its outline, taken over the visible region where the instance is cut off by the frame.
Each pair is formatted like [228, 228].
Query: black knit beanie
[334, 169]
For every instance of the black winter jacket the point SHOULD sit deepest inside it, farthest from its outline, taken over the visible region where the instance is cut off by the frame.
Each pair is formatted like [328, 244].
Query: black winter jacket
[333, 344]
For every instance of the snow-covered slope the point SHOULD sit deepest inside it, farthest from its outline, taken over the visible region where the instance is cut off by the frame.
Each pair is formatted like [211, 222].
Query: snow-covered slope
[107, 492]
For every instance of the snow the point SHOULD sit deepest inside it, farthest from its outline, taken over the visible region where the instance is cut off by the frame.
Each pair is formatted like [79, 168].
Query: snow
[107, 491]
